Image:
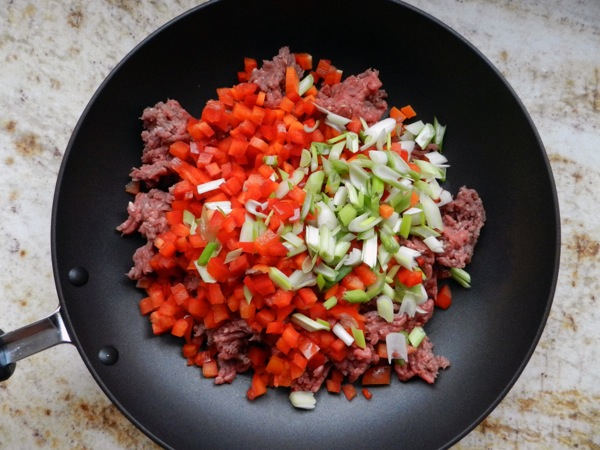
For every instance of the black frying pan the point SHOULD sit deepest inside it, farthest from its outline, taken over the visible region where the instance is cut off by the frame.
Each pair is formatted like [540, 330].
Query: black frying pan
[490, 331]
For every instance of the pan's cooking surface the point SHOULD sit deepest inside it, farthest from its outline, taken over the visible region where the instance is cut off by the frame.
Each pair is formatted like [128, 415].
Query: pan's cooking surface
[88, 419]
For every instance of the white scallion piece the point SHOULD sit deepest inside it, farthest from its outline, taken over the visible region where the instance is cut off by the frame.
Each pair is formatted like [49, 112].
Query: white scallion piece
[363, 223]
[396, 346]
[369, 251]
[385, 308]
[408, 146]
[354, 258]
[384, 127]
[247, 230]
[445, 198]
[252, 207]
[292, 239]
[233, 255]
[209, 186]
[408, 306]
[341, 196]
[425, 136]
[340, 332]
[312, 238]
[303, 399]
[280, 279]
[326, 217]
[308, 324]
[432, 212]
[405, 256]
[305, 84]
[333, 117]
[378, 156]
[224, 206]
[301, 279]
[437, 159]
[203, 271]
[415, 127]
[434, 244]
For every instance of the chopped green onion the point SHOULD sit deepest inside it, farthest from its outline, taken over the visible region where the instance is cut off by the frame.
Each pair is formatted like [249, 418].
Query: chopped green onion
[381, 128]
[325, 216]
[326, 244]
[405, 256]
[352, 142]
[315, 182]
[326, 325]
[356, 296]
[432, 212]
[247, 294]
[415, 128]
[358, 176]
[336, 151]
[280, 279]
[305, 84]
[385, 308]
[369, 251]
[359, 337]
[293, 239]
[309, 324]
[440, 130]
[330, 302]
[423, 231]
[363, 223]
[300, 279]
[325, 271]
[416, 336]
[306, 206]
[388, 241]
[347, 214]
[425, 136]
[224, 206]
[434, 244]
[188, 218]
[247, 230]
[461, 276]
[207, 253]
[305, 158]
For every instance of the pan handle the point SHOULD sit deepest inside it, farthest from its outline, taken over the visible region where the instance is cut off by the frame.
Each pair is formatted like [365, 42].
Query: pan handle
[30, 339]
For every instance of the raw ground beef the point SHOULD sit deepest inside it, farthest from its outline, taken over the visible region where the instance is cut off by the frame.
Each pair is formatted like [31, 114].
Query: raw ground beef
[141, 261]
[147, 214]
[164, 123]
[356, 96]
[271, 76]
[231, 341]
[422, 363]
[312, 379]
[463, 219]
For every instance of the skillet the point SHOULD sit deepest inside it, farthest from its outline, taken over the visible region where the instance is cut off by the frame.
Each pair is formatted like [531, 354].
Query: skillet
[488, 334]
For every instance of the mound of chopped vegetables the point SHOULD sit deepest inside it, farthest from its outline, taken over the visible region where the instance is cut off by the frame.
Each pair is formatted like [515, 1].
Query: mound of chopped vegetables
[295, 240]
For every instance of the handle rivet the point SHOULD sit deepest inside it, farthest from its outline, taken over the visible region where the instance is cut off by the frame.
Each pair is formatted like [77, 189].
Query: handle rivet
[108, 355]
[78, 276]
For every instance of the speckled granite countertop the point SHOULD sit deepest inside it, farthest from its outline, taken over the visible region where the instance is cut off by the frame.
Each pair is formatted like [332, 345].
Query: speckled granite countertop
[53, 56]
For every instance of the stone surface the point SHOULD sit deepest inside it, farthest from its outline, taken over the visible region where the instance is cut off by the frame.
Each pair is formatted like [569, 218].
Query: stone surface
[55, 53]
